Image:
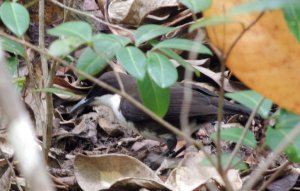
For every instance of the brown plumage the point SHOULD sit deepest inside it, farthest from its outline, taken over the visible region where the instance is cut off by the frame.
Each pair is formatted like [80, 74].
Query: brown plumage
[204, 107]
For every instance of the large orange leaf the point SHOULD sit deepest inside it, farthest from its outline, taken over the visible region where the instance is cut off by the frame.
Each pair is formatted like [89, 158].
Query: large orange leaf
[267, 57]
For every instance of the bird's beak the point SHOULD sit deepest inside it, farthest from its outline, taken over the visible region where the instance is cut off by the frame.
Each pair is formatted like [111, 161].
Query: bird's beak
[81, 104]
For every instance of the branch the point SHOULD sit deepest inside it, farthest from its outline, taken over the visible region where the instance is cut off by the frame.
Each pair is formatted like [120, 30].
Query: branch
[247, 126]
[91, 16]
[265, 163]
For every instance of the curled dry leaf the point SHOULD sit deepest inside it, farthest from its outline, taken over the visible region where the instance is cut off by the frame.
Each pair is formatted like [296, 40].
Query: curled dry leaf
[229, 86]
[285, 183]
[76, 92]
[87, 127]
[100, 172]
[191, 174]
[132, 12]
[266, 58]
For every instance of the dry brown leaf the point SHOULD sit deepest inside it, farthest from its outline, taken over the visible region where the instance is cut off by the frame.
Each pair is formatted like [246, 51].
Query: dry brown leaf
[95, 173]
[5, 178]
[6, 148]
[54, 14]
[87, 127]
[63, 85]
[146, 143]
[266, 58]
[132, 12]
[191, 174]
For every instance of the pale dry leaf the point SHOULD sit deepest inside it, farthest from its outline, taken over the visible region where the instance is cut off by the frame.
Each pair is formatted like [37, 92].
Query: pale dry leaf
[107, 122]
[229, 86]
[132, 12]
[146, 143]
[138, 184]
[192, 62]
[99, 172]
[110, 128]
[87, 127]
[191, 174]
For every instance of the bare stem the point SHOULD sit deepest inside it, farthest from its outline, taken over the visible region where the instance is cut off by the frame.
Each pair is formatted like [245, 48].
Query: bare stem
[223, 61]
[265, 163]
[242, 34]
[48, 106]
[247, 126]
[91, 16]
[274, 176]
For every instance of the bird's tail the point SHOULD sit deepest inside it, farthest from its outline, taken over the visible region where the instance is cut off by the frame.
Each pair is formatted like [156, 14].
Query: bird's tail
[234, 108]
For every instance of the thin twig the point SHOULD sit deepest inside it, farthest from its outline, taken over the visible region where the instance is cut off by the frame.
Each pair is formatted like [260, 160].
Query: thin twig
[242, 34]
[240, 142]
[48, 106]
[42, 39]
[274, 176]
[33, 83]
[124, 95]
[2, 154]
[187, 94]
[223, 61]
[220, 119]
[265, 163]
[91, 16]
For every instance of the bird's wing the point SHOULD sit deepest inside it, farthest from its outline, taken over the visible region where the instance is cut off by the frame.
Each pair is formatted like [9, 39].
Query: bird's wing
[201, 106]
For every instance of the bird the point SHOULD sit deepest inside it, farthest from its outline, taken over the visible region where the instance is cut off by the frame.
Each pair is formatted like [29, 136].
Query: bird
[203, 108]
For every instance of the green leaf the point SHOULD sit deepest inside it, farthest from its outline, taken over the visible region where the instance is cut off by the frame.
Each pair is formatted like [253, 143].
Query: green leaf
[287, 119]
[274, 138]
[79, 29]
[234, 134]
[250, 99]
[90, 62]
[261, 5]
[153, 97]
[116, 38]
[15, 17]
[148, 32]
[55, 91]
[170, 53]
[12, 63]
[197, 5]
[285, 123]
[210, 21]
[106, 46]
[183, 44]
[19, 82]
[63, 47]
[292, 17]
[161, 70]
[236, 163]
[133, 60]
[12, 46]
